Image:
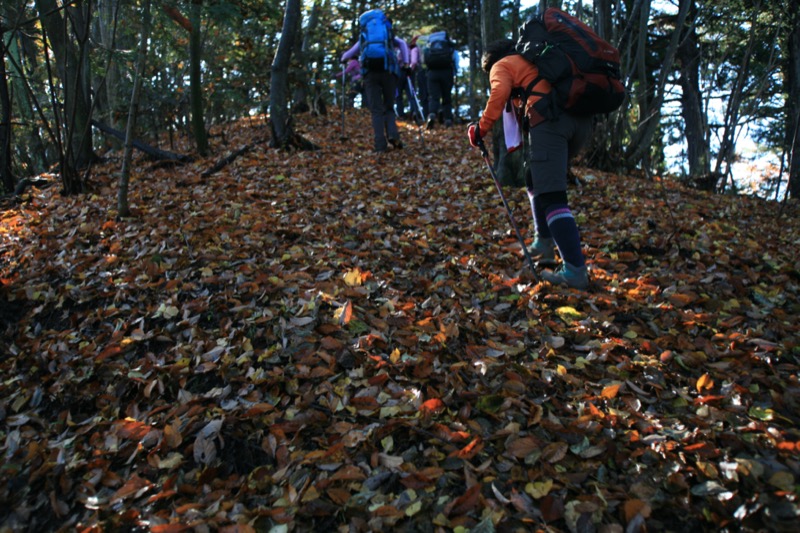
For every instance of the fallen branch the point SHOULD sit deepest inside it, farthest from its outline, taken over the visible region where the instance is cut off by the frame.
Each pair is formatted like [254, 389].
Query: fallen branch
[155, 153]
[222, 163]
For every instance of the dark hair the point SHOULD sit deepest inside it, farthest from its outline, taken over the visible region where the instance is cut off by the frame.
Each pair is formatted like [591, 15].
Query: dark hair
[495, 51]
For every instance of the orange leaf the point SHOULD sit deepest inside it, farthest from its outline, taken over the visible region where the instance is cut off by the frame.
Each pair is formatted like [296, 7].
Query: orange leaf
[610, 391]
[705, 382]
[432, 406]
[169, 528]
[135, 486]
[470, 450]
[633, 508]
[346, 314]
[110, 351]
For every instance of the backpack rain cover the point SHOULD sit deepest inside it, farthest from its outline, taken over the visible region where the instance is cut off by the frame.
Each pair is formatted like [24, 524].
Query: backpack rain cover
[376, 41]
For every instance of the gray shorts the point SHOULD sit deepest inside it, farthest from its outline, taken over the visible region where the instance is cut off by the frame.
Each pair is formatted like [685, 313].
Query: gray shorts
[551, 145]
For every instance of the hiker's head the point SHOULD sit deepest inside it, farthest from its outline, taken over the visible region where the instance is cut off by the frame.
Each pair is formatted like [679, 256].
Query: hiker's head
[495, 51]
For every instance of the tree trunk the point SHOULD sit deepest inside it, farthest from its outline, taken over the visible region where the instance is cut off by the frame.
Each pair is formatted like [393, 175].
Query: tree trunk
[280, 116]
[78, 151]
[640, 146]
[107, 101]
[195, 79]
[302, 57]
[475, 51]
[734, 103]
[6, 175]
[123, 208]
[695, 120]
[792, 139]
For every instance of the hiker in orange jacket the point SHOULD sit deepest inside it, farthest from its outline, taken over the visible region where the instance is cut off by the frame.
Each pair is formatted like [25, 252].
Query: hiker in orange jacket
[552, 141]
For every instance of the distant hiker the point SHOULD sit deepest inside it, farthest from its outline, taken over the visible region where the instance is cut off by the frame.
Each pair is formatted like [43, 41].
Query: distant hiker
[551, 144]
[381, 68]
[352, 73]
[441, 59]
[406, 84]
[421, 73]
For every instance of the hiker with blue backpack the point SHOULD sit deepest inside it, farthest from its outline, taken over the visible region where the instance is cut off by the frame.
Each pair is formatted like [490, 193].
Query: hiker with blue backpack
[555, 78]
[441, 61]
[381, 69]
[421, 75]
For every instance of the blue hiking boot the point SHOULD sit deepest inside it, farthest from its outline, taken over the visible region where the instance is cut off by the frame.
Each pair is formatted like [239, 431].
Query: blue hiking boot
[543, 251]
[571, 276]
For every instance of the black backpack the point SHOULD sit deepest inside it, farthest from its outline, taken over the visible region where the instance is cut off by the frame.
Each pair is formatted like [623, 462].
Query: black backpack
[439, 51]
[582, 68]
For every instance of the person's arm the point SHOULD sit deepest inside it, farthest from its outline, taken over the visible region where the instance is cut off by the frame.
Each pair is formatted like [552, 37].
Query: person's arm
[352, 52]
[404, 55]
[501, 80]
[352, 66]
[414, 57]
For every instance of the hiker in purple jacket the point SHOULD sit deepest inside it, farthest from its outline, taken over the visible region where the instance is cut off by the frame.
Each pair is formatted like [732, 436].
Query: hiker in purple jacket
[380, 86]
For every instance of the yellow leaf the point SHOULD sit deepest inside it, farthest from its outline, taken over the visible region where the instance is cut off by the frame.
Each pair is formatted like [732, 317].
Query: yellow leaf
[414, 508]
[568, 314]
[353, 277]
[539, 489]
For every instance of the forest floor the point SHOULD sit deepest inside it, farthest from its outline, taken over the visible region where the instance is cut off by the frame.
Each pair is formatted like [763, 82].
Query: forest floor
[336, 340]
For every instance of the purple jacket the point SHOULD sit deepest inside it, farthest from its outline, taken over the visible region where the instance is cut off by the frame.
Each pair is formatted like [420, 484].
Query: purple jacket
[405, 57]
[353, 70]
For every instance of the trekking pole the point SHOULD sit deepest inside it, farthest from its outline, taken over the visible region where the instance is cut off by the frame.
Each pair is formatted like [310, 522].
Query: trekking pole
[419, 110]
[485, 154]
[344, 89]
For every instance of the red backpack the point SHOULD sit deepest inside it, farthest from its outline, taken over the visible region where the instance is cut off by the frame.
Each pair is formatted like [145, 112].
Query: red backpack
[582, 68]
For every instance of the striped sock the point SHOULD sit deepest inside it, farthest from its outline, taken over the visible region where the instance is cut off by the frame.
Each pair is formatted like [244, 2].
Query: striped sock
[565, 232]
[539, 218]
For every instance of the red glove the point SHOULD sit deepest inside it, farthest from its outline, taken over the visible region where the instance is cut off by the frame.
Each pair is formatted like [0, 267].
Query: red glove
[474, 134]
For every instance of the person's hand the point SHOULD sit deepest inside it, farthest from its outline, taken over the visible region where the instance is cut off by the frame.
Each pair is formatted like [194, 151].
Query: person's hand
[474, 134]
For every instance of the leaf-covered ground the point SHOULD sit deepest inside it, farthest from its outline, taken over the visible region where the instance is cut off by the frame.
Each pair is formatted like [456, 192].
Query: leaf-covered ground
[335, 340]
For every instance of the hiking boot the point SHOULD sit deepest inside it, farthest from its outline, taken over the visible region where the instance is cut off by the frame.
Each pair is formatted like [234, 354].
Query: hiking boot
[543, 251]
[431, 121]
[571, 276]
[397, 143]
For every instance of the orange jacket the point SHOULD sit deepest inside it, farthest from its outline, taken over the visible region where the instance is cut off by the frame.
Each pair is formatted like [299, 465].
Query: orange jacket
[511, 72]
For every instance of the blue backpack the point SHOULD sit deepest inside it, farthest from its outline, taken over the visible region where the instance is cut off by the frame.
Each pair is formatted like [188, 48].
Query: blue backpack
[376, 42]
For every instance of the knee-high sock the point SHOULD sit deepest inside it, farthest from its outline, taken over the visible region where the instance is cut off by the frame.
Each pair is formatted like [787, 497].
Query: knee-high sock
[539, 217]
[565, 232]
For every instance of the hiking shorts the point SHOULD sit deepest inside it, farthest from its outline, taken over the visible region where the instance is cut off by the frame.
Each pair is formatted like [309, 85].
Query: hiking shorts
[551, 145]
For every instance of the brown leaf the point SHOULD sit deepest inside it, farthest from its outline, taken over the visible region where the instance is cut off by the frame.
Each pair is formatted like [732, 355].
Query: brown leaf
[522, 447]
[465, 503]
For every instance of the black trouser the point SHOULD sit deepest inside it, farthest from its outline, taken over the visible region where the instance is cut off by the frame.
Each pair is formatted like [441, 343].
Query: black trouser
[440, 98]
[379, 88]
[403, 88]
